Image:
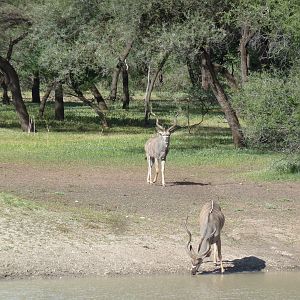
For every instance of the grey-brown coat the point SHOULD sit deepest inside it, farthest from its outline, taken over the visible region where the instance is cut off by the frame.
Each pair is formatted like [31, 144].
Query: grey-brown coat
[157, 149]
[211, 221]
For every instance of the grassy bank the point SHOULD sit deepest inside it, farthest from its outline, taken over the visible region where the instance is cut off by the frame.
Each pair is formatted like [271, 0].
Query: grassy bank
[80, 140]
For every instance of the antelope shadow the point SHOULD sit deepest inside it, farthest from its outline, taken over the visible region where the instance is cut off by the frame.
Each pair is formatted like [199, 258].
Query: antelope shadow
[174, 183]
[245, 264]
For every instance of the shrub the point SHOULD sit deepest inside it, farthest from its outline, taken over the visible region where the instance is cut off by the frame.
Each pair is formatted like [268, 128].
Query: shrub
[269, 106]
[288, 165]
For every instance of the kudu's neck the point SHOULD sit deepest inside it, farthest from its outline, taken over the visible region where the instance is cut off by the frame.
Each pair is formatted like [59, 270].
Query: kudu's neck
[164, 140]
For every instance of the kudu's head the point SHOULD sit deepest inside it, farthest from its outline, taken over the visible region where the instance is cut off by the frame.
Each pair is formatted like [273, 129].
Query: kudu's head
[165, 133]
[195, 258]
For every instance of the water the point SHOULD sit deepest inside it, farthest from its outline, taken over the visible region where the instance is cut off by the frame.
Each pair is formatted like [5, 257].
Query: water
[228, 286]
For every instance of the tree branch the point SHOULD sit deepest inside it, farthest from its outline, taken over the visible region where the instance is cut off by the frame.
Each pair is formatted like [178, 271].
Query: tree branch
[13, 42]
[229, 77]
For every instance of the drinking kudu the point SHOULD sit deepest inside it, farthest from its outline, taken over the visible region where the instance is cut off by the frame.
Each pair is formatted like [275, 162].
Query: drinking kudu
[211, 221]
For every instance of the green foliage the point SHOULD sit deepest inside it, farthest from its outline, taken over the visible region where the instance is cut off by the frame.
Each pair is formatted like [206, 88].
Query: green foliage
[10, 201]
[290, 164]
[83, 40]
[270, 107]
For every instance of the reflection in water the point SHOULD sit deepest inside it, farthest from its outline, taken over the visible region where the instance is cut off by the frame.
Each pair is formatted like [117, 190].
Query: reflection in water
[228, 286]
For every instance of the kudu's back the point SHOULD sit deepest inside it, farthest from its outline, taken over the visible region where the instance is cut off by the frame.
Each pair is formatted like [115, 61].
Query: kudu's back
[211, 219]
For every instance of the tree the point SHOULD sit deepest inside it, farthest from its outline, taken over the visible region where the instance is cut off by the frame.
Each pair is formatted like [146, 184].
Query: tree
[119, 67]
[217, 89]
[35, 90]
[220, 44]
[14, 28]
[126, 97]
[45, 98]
[59, 102]
[11, 45]
[12, 81]
[150, 85]
[70, 45]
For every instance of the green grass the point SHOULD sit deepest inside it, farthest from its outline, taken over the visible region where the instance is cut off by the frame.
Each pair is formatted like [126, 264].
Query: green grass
[11, 201]
[80, 140]
[89, 217]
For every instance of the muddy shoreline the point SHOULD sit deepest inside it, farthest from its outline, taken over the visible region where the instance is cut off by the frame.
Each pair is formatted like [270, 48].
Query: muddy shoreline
[90, 224]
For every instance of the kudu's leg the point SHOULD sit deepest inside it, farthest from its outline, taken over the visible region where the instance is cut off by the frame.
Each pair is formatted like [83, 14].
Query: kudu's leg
[220, 254]
[156, 169]
[215, 253]
[150, 163]
[163, 162]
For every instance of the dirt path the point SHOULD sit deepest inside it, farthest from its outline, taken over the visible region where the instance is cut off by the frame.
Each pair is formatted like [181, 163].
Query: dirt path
[143, 230]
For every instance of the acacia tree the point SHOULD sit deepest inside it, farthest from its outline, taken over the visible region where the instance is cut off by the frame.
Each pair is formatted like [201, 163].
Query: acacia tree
[155, 41]
[196, 30]
[265, 30]
[230, 114]
[126, 97]
[45, 98]
[117, 70]
[14, 25]
[70, 44]
[150, 85]
[12, 81]
[59, 102]
[35, 90]
[82, 43]
[267, 101]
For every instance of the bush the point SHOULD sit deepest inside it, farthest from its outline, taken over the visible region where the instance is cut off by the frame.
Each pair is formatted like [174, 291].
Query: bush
[270, 107]
[288, 165]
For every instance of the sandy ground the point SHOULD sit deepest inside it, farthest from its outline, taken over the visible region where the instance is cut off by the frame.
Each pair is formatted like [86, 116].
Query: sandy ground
[141, 229]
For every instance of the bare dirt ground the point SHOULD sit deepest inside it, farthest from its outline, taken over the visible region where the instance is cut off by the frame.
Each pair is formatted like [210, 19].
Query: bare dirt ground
[143, 232]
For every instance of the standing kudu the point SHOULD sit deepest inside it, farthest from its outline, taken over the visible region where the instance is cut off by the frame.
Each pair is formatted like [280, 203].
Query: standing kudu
[211, 222]
[157, 149]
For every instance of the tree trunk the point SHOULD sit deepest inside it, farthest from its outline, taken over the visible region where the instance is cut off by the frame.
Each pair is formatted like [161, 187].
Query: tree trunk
[59, 102]
[115, 77]
[100, 100]
[230, 114]
[5, 97]
[150, 87]
[125, 87]
[12, 81]
[35, 90]
[192, 74]
[97, 95]
[245, 38]
[45, 98]
[12, 43]
[92, 105]
[193, 69]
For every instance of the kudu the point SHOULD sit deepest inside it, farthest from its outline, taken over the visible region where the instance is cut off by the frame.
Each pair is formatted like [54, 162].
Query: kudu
[157, 149]
[211, 222]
